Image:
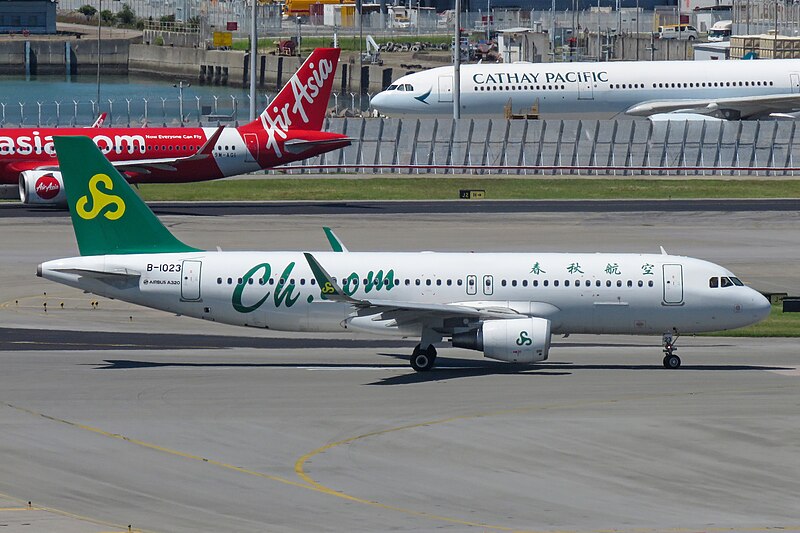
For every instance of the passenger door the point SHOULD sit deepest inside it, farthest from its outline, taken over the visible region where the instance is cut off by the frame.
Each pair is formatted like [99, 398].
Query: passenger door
[673, 284]
[445, 88]
[190, 280]
[794, 82]
[251, 145]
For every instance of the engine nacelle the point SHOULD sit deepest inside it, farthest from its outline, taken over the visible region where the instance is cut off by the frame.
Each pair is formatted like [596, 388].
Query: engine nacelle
[519, 340]
[42, 187]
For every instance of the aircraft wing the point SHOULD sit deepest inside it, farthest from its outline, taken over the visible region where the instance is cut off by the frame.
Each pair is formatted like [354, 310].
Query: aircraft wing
[745, 107]
[409, 311]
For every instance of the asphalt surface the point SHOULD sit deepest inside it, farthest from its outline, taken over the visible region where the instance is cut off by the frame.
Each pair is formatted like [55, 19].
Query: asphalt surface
[453, 207]
[115, 415]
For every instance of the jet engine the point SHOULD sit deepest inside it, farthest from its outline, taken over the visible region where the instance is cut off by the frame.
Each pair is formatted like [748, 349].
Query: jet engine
[518, 340]
[42, 187]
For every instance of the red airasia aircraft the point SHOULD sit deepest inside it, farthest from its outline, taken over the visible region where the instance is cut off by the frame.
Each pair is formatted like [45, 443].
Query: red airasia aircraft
[288, 130]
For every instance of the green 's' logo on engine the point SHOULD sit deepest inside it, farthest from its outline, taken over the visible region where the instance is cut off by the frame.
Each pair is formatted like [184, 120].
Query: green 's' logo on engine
[523, 339]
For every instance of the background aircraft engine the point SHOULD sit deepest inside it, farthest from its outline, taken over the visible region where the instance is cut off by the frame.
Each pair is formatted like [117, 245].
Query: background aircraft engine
[519, 340]
[42, 187]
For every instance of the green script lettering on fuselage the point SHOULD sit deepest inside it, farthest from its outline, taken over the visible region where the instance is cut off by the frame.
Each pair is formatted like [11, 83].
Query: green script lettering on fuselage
[500, 78]
[284, 292]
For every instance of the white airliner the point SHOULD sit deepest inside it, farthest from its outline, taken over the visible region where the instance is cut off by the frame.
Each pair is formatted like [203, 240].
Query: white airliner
[721, 89]
[506, 305]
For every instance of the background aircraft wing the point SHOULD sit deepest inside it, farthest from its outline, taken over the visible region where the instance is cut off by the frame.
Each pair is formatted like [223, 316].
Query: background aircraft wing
[745, 107]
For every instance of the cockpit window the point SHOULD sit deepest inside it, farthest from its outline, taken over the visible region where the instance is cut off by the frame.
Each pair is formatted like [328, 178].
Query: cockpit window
[725, 282]
[713, 282]
[391, 87]
[408, 87]
[737, 281]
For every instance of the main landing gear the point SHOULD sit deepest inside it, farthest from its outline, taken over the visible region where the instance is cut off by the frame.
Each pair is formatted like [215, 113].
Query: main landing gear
[668, 340]
[423, 360]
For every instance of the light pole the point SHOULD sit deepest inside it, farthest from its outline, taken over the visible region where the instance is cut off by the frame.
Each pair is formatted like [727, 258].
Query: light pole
[181, 85]
[99, 19]
[457, 64]
[253, 57]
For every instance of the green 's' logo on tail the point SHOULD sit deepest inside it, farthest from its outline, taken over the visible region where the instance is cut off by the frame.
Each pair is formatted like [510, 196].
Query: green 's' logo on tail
[100, 200]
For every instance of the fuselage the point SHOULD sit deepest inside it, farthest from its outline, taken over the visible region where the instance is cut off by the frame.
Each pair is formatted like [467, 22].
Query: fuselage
[578, 293]
[235, 152]
[581, 90]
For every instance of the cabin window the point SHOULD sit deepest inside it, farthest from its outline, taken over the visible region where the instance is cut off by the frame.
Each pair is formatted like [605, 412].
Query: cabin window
[428, 282]
[230, 281]
[641, 283]
[608, 283]
[524, 282]
[219, 281]
[438, 283]
[630, 283]
[503, 283]
[650, 283]
[713, 282]
[555, 283]
[536, 283]
[588, 283]
[250, 281]
[566, 283]
[313, 281]
[459, 282]
[239, 281]
[545, 283]
[513, 283]
[619, 283]
[597, 283]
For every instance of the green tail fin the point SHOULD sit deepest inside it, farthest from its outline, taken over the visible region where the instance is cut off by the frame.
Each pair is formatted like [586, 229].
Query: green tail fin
[107, 215]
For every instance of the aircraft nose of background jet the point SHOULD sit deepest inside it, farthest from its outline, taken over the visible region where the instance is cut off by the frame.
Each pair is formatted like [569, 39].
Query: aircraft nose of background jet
[378, 101]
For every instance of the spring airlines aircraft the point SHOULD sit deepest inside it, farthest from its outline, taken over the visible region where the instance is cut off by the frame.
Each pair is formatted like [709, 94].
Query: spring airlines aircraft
[505, 305]
[721, 89]
[288, 130]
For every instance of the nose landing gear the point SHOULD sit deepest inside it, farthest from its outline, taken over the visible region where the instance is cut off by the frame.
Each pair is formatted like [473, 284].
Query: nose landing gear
[668, 340]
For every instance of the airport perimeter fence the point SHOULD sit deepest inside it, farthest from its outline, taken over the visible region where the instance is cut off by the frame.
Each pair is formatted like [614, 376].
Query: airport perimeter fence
[473, 146]
[561, 147]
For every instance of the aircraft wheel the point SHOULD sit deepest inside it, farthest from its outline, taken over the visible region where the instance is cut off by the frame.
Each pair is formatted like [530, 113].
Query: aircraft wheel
[423, 360]
[672, 361]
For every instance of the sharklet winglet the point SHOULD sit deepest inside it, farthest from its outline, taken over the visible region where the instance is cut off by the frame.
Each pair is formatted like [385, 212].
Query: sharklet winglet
[326, 282]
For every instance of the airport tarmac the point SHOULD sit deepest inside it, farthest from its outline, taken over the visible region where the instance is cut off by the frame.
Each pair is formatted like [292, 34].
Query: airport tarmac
[115, 415]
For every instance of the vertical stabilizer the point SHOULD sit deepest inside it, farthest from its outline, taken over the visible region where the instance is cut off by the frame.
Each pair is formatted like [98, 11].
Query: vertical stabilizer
[303, 101]
[107, 215]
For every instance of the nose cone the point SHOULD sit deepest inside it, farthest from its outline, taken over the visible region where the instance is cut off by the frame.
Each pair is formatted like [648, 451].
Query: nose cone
[760, 306]
[379, 101]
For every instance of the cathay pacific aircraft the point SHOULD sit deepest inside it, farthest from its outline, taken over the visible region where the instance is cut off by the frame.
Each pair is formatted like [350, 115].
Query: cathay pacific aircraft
[722, 89]
[506, 305]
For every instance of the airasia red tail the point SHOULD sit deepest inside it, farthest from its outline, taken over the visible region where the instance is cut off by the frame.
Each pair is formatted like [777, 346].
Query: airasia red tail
[288, 130]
